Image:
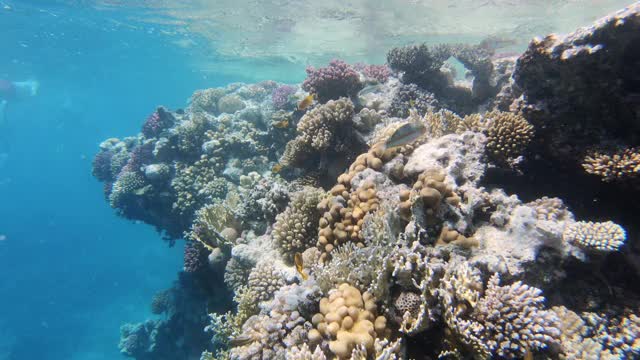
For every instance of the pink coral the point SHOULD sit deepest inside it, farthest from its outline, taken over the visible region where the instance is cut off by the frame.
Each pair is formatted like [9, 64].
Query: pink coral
[280, 96]
[380, 73]
[332, 82]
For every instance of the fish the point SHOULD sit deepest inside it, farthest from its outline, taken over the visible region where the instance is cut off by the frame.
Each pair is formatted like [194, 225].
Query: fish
[412, 103]
[282, 124]
[528, 355]
[297, 258]
[306, 102]
[240, 340]
[405, 134]
[370, 89]
[277, 168]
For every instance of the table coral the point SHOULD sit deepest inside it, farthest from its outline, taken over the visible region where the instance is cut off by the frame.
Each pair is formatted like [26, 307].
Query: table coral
[599, 236]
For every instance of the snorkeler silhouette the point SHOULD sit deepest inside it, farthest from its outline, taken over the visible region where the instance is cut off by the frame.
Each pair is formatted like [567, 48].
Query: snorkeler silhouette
[11, 91]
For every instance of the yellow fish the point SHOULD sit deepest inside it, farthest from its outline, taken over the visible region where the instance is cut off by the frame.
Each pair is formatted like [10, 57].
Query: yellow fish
[528, 355]
[282, 124]
[297, 258]
[277, 168]
[306, 102]
[412, 103]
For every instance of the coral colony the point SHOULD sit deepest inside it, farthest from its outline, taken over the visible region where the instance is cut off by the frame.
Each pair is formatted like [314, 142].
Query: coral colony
[310, 235]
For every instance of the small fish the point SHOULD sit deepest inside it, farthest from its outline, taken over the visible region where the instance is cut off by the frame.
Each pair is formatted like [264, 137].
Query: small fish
[370, 89]
[3, 237]
[282, 124]
[297, 258]
[277, 168]
[412, 103]
[405, 134]
[306, 102]
[240, 340]
[528, 355]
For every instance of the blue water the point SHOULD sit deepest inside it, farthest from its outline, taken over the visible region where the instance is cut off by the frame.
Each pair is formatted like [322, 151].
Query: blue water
[71, 271]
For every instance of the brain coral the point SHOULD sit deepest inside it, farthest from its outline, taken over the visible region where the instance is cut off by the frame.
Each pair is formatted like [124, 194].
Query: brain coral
[603, 236]
[295, 229]
[508, 135]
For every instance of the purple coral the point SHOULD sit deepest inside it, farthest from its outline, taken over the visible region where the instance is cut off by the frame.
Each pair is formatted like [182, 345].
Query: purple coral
[331, 82]
[380, 73]
[280, 96]
[140, 155]
[156, 123]
[102, 166]
[195, 256]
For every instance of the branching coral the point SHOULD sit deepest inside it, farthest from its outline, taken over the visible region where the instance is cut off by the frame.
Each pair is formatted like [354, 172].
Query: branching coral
[332, 82]
[507, 321]
[280, 96]
[508, 135]
[157, 122]
[318, 130]
[618, 166]
[603, 236]
[410, 96]
[196, 185]
[264, 280]
[420, 64]
[295, 229]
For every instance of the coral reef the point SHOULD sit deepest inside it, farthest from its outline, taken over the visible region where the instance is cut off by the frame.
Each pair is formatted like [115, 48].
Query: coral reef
[488, 233]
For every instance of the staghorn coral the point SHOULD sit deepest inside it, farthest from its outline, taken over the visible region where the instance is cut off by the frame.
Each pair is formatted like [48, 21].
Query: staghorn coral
[618, 166]
[295, 229]
[332, 82]
[347, 319]
[508, 135]
[264, 280]
[599, 236]
[318, 130]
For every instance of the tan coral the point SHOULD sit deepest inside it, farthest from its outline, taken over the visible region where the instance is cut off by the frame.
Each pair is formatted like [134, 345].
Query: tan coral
[348, 319]
[621, 165]
[451, 236]
[295, 229]
[508, 134]
[316, 130]
[432, 190]
[344, 213]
